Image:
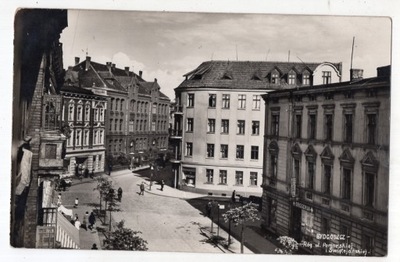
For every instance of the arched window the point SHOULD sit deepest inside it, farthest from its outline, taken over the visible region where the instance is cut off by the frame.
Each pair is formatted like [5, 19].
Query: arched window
[71, 112]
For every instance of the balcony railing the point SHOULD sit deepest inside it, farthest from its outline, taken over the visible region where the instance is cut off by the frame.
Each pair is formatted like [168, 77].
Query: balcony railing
[177, 109]
[176, 158]
[176, 133]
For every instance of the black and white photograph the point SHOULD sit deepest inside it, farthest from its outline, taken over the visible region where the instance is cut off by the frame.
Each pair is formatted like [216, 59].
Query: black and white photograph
[199, 131]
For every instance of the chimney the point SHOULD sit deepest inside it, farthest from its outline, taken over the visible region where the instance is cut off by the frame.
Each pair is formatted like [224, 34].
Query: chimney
[140, 73]
[113, 66]
[356, 74]
[127, 70]
[76, 60]
[155, 80]
[87, 63]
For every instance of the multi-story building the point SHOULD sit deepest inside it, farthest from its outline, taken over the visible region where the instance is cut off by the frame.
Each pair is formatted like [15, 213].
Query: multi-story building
[136, 118]
[38, 138]
[219, 121]
[326, 163]
[84, 114]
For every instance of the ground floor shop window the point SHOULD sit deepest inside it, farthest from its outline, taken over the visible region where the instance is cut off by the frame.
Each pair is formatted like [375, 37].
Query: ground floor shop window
[189, 177]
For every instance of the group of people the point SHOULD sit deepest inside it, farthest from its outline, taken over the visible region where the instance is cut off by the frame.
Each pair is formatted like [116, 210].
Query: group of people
[82, 171]
[88, 221]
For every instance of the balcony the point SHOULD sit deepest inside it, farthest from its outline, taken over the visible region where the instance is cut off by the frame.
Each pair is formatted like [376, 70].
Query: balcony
[176, 134]
[177, 109]
[176, 159]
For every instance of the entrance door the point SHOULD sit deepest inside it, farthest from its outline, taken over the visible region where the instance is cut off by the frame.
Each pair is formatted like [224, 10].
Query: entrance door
[296, 223]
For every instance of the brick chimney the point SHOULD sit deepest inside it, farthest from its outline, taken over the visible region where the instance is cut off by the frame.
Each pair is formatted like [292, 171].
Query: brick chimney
[87, 63]
[108, 64]
[140, 73]
[155, 80]
[113, 66]
[76, 60]
[127, 70]
[356, 74]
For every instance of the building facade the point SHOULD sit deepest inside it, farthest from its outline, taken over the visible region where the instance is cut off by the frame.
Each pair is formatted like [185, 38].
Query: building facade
[219, 121]
[136, 119]
[84, 114]
[38, 140]
[326, 164]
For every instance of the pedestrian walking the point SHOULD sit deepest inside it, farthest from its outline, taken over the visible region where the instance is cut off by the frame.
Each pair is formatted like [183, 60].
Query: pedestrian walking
[94, 247]
[76, 170]
[77, 223]
[109, 169]
[59, 200]
[92, 220]
[85, 220]
[86, 172]
[208, 208]
[234, 196]
[76, 202]
[119, 194]
[162, 185]
[142, 189]
[92, 174]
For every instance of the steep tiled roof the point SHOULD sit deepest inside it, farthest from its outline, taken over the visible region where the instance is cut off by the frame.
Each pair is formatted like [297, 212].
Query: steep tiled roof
[242, 74]
[75, 89]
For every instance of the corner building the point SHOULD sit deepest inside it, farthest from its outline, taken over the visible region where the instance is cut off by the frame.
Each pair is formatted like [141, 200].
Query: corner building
[326, 163]
[218, 129]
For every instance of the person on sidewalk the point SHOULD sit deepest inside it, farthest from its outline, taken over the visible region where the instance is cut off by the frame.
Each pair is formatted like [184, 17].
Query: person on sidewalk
[92, 221]
[85, 220]
[92, 174]
[86, 172]
[233, 196]
[162, 185]
[76, 202]
[141, 189]
[77, 223]
[94, 247]
[119, 194]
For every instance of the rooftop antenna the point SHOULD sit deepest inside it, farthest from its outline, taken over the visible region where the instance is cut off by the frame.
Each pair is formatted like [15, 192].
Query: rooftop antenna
[87, 51]
[352, 52]
[212, 56]
[236, 54]
[266, 57]
[288, 59]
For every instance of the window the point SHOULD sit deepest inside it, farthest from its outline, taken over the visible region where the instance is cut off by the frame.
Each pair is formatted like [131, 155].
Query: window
[326, 77]
[241, 101]
[312, 125]
[326, 188]
[306, 78]
[79, 113]
[325, 226]
[189, 126]
[239, 177]
[369, 189]
[71, 112]
[87, 113]
[210, 176]
[212, 100]
[131, 125]
[86, 138]
[190, 102]
[275, 124]
[101, 137]
[297, 126]
[95, 137]
[122, 104]
[240, 127]
[275, 77]
[344, 230]
[224, 151]
[346, 183]
[225, 101]
[96, 114]
[210, 150]
[292, 78]
[211, 125]
[296, 169]
[112, 104]
[70, 141]
[116, 125]
[239, 151]
[368, 244]
[225, 126]
[78, 137]
[348, 128]
[311, 175]
[253, 178]
[254, 152]
[328, 127]
[255, 128]
[223, 177]
[101, 110]
[116, 104]
[371, 128]
[111, 124]
[120, 125]
[189, 149]
[274, 167]
[256, 102]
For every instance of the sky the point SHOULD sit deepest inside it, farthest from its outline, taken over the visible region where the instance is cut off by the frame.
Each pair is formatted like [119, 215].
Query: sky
[166, 45]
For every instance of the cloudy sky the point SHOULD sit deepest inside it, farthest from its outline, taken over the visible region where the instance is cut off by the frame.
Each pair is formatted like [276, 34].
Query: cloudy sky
[167, 45]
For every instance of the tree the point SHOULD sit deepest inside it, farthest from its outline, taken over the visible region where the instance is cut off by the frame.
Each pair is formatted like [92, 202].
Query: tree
[113, 204]
[289, 245]
[125, 239]
[103, 186]
[239, 216]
